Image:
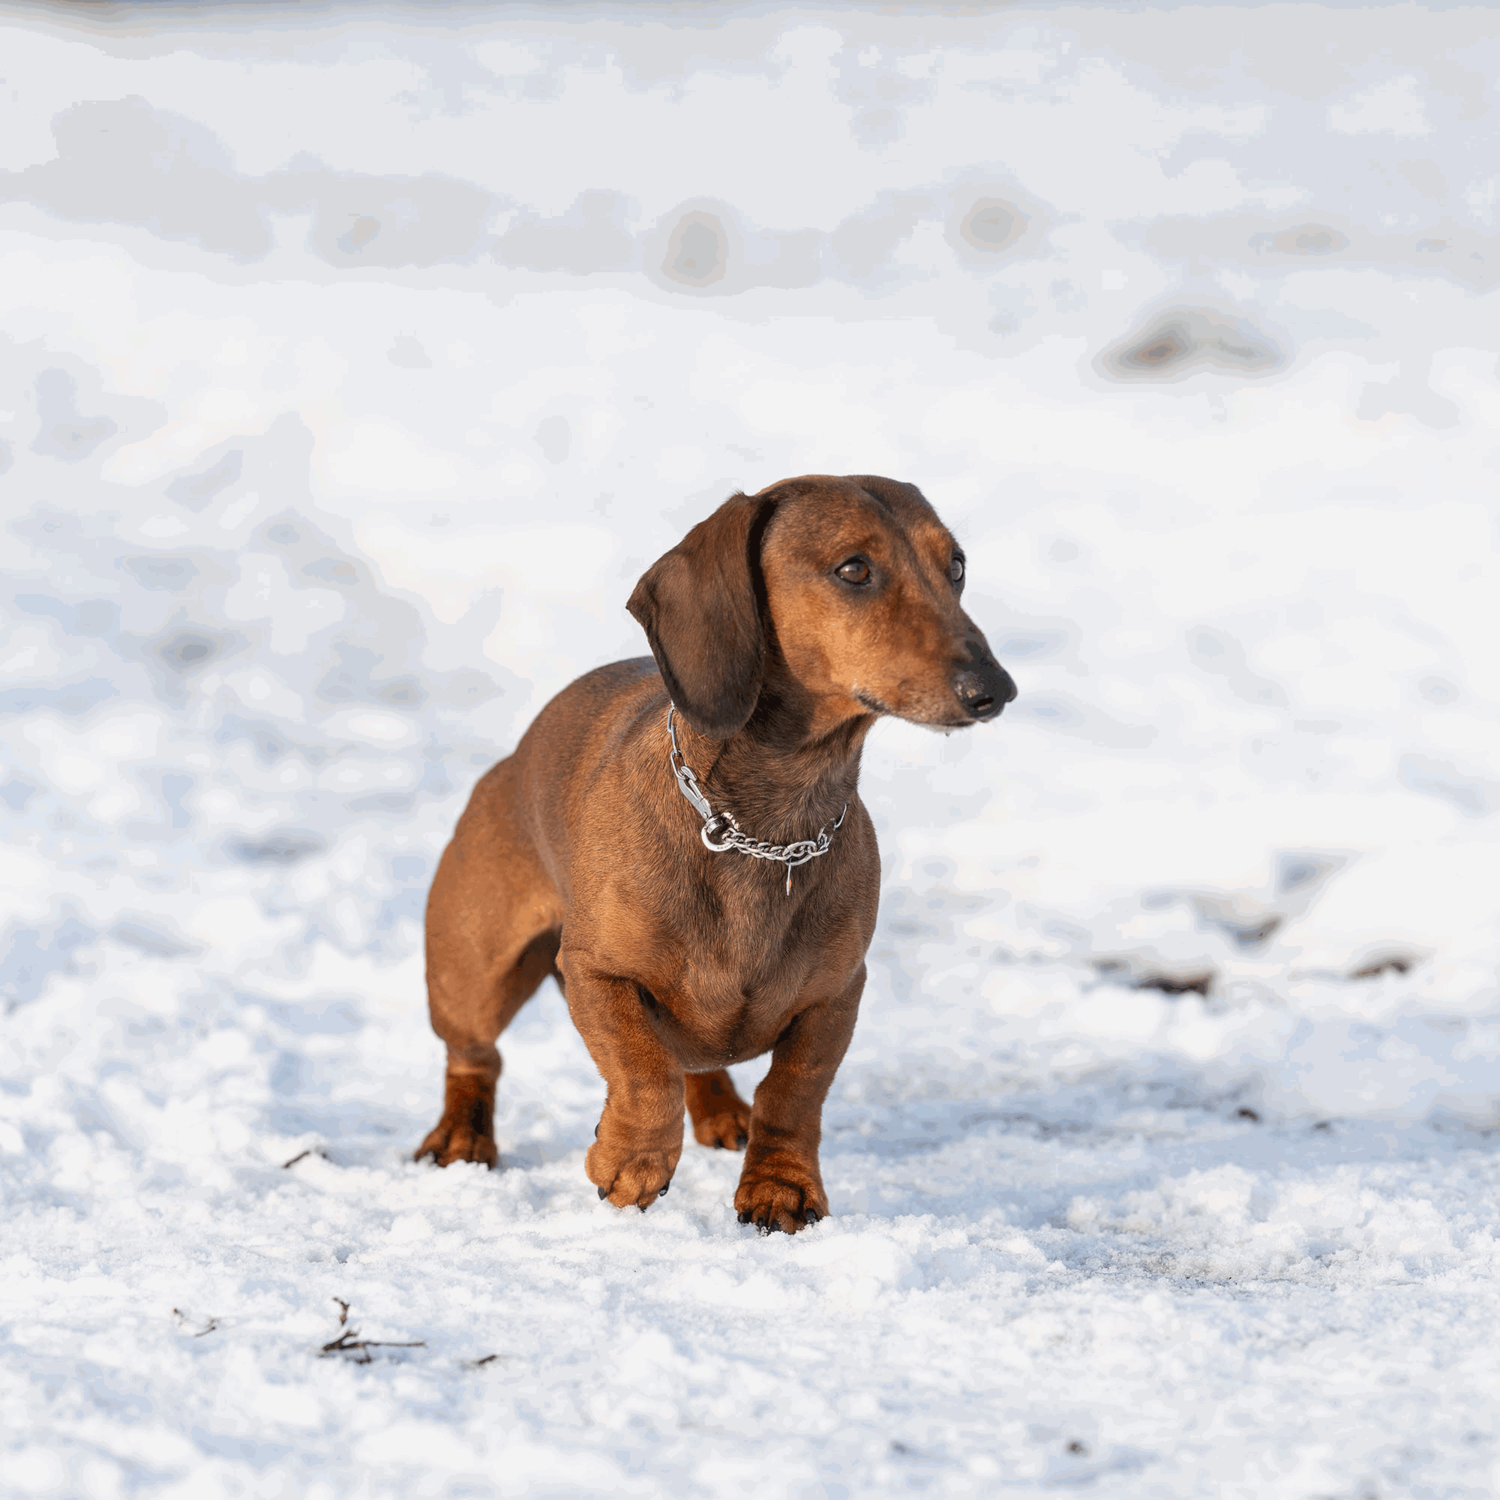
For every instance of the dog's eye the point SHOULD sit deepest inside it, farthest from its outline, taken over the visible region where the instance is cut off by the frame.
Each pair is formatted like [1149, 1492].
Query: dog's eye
[856, 570]
[956, 569]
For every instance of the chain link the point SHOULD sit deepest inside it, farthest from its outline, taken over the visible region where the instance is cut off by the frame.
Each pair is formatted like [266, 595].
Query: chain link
[722, 827]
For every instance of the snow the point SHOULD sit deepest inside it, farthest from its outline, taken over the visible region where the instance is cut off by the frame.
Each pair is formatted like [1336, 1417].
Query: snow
[354, 364]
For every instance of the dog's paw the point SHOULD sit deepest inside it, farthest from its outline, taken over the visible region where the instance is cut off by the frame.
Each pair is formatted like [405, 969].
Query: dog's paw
[630, 1179]
[720, 1117]
[729, 1130]
[780, 1203]
[455, 1141]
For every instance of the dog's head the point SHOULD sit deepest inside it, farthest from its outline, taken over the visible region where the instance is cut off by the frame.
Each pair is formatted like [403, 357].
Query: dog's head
[853, 584]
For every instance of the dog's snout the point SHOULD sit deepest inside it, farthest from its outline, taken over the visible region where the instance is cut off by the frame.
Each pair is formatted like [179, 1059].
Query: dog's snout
[983, 686]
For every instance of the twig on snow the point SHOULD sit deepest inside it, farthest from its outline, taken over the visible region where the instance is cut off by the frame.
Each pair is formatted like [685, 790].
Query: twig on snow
[197, 1333]
[349, 1341]
[303, 1155]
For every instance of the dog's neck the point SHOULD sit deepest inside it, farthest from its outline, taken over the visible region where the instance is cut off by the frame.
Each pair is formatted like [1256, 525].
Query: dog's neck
[791, 769]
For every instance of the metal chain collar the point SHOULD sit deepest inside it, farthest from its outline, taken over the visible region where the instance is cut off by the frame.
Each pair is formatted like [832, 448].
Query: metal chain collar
[721, 832]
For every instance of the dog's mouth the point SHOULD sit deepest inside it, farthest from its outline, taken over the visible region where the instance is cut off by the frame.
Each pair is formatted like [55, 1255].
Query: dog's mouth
[923, 719]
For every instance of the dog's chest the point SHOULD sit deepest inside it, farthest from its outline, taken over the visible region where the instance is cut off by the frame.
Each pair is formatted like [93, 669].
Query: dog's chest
[732, 1000]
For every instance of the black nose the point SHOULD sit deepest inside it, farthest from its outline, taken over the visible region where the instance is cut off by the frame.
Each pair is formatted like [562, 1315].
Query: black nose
[984, 687]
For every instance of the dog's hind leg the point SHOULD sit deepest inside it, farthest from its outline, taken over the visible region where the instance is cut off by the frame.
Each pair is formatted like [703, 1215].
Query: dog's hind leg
[492, 938]
[720, 1117]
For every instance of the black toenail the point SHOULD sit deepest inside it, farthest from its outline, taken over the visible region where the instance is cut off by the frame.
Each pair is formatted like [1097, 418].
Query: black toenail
[603, 1193]
[662, 1190]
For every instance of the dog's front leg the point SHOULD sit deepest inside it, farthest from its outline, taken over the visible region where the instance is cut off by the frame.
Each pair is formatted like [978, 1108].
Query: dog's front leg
[781, 1186]
[638, 1140]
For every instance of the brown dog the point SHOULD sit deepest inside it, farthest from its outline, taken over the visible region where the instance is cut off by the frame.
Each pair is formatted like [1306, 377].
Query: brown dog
[782, 627]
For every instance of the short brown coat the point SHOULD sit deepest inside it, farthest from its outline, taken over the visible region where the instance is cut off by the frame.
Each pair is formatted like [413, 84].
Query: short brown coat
[578, 857]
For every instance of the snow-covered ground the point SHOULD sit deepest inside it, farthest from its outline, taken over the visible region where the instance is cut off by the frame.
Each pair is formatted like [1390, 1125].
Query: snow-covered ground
[353, 364]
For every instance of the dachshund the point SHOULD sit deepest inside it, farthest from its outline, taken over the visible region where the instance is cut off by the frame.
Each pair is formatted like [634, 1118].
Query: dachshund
[695, 918]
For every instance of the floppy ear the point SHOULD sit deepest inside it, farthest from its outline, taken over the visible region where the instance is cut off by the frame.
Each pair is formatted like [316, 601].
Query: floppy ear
[700, 606]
